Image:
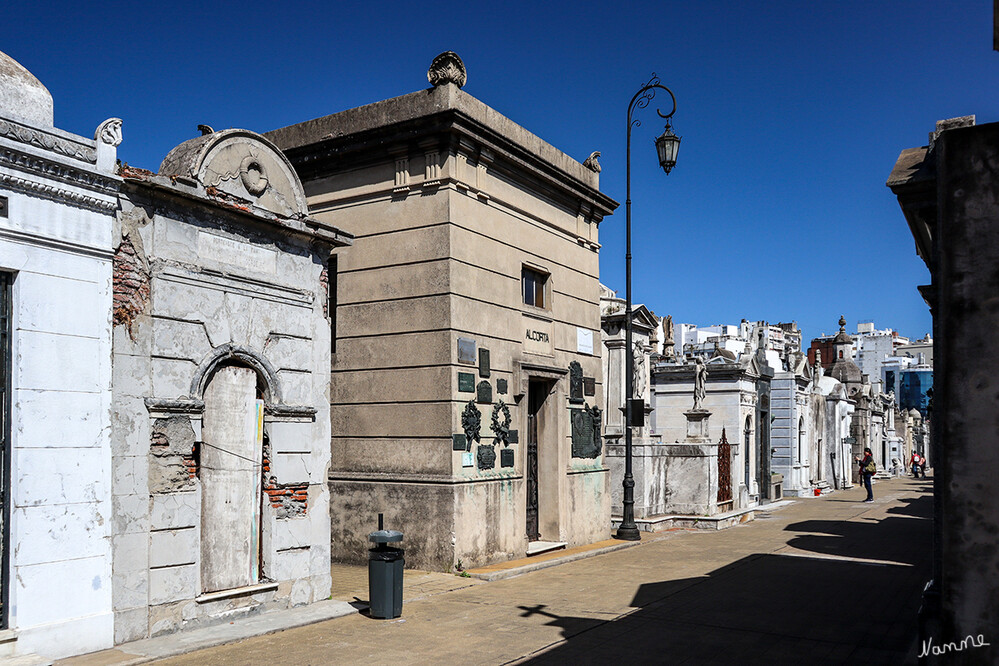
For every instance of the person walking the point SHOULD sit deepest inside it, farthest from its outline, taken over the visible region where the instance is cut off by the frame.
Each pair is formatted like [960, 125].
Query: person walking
[867, 469]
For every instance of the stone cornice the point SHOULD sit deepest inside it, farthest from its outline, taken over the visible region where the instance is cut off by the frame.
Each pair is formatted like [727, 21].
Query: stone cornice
[39, 167]
[78, 150]
[337, 151]
[58, 194]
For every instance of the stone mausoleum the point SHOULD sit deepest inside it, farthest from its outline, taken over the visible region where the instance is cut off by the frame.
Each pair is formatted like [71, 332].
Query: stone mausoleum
[220, 412]
[466, 365]
[58, 196]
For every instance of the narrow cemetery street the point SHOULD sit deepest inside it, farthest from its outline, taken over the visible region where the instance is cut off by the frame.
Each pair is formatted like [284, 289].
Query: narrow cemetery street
[827, 580]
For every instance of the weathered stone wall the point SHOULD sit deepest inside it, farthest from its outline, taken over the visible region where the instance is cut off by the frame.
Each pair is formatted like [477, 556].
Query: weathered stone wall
[966, 379]
[443, 227]
[57, 247]
[221, 289]
[731, 397]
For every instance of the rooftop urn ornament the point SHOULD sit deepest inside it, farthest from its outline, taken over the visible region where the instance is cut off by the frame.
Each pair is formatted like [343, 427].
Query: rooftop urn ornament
[447, 68]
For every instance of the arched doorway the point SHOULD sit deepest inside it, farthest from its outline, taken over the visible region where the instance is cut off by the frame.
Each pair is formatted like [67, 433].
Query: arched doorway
[231, 478]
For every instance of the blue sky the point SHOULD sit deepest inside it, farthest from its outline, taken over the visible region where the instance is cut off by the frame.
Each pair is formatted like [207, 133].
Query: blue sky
[792, 115]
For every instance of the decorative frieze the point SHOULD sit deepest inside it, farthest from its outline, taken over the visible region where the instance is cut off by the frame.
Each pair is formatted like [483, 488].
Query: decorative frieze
[46, 141]
[53, 193]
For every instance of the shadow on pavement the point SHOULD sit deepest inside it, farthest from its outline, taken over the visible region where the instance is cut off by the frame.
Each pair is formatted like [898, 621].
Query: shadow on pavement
[774, 608]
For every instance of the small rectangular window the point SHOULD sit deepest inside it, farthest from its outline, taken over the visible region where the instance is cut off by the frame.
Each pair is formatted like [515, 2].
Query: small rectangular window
[535, 287]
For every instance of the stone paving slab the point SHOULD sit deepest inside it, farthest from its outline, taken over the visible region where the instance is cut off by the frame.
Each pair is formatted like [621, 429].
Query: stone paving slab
[823, 580]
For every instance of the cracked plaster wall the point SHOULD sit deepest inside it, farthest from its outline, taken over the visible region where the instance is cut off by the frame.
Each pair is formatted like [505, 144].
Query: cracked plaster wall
[264, 294]
[60, 503]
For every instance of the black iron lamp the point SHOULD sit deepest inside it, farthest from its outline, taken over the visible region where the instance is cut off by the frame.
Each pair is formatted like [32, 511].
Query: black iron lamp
[667, 146]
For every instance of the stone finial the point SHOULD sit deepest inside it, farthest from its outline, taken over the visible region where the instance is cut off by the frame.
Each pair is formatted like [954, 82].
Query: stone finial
[591, 162]
[447, 68]
[109, 132]
[842, 323]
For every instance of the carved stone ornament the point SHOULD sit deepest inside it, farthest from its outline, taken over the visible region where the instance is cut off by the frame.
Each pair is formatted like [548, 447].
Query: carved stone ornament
[591, 162]
[253, 175]
[42, 139]
[501, 423]
[109, 132]
[471, 422]
[447, 68]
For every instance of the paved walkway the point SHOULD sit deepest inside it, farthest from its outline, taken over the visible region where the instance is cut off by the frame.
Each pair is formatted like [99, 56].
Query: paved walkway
[825, 580]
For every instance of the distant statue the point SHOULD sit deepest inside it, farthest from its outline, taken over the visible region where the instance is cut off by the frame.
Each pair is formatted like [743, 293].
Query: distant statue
[638, 376]
[700, 376]
[668, 342]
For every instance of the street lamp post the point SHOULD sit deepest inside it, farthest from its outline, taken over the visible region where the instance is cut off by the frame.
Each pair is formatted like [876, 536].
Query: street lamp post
[667, 145]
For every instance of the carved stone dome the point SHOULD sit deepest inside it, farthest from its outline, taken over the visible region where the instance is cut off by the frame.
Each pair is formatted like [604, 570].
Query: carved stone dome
[22, 96]
[846, 371]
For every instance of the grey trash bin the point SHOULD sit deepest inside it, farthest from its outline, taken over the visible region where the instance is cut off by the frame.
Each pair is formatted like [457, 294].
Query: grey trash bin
[385, 565]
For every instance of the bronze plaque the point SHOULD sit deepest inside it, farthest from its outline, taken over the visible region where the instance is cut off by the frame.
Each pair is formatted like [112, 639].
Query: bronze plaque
[486, 456]
[501, 386]
[484, 393]
[589, 386]
[459, 442]
[466, 382]
[506, 457]
[575, 382]
[483, 362]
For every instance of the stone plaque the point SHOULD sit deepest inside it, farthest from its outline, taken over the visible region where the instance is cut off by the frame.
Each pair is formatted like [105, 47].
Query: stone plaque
[513, 437]
[575, 382]
[459, 442]
[584, 341]
[467, 459]
[501, 386]
[586, 442]
[538, 336]
[483, 362]
[466, 351]
[506, 458]
[589, 386]
[236, 253]
[466, 382]
[487, 456]
[484, 393]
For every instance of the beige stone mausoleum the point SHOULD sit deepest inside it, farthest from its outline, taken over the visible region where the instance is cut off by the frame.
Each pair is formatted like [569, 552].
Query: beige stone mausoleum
[466, 327]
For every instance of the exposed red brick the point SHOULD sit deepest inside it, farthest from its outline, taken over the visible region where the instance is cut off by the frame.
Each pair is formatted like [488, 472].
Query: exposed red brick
[130, 285]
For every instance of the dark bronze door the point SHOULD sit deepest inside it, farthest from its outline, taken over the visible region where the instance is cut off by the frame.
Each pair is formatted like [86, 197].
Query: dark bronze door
[6, 279]
[535, 398]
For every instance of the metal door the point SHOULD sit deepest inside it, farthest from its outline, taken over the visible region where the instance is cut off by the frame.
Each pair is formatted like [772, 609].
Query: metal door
[6, 279]
[535, 399]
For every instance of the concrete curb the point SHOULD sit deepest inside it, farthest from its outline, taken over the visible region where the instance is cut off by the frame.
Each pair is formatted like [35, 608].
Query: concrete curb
[182, 642]
[500, 574]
